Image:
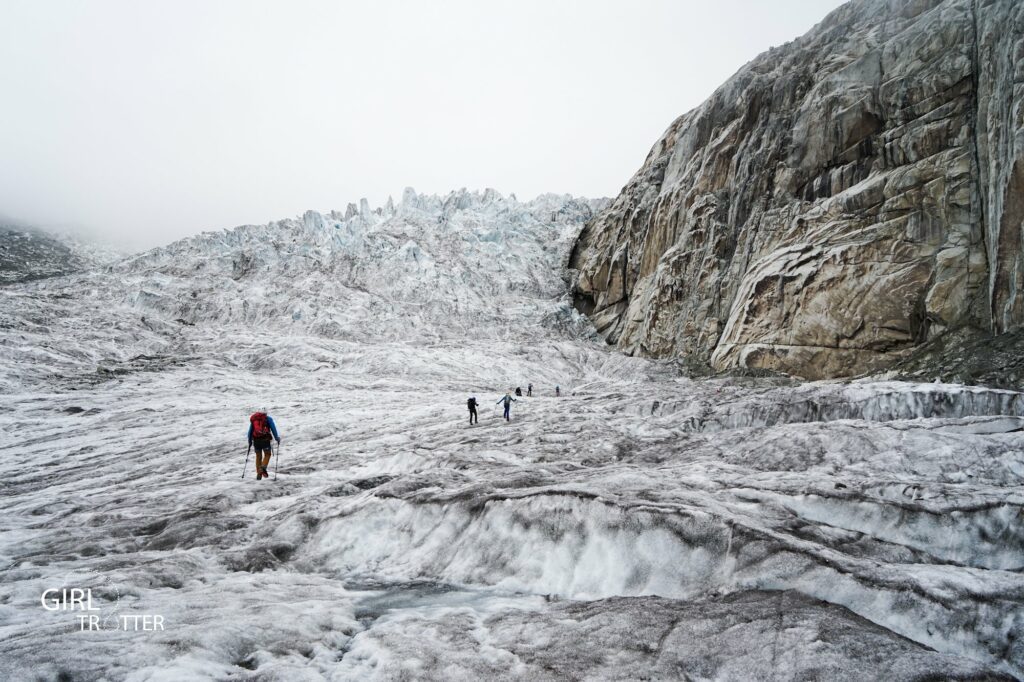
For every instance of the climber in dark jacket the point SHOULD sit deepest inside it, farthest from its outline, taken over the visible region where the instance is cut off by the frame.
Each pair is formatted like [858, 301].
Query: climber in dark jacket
[471, 403]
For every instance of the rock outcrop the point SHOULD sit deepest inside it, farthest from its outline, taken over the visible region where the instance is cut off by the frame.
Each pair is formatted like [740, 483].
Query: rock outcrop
[27, 254]
[839, 201]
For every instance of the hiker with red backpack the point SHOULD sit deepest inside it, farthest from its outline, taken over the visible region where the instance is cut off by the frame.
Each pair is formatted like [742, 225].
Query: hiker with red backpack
[261, 429]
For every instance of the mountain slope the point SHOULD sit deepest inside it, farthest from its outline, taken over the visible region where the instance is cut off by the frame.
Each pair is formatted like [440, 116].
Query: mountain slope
[838, 201]
[27, 254]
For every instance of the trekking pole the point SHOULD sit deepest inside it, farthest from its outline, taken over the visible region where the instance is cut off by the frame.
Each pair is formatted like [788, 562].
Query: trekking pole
[277, 459]
[246, 466]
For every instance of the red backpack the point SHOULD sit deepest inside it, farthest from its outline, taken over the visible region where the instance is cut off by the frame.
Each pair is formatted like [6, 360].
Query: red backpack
[260, 427]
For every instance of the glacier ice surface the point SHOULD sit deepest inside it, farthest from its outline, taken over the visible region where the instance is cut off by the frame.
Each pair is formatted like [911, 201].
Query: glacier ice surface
[641, 525]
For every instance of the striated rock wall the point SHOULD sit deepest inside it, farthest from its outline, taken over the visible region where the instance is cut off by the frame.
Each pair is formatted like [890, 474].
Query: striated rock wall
[999, 64]
[837, 202]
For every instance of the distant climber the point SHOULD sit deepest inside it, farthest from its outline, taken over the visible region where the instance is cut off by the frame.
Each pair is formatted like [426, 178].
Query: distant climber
[529, 390]
[508, 400]
[471, 403]
[558, 391]
[261, 430]
[519, 392]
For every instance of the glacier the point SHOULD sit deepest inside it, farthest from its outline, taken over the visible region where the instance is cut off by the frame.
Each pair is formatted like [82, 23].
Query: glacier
[642, 525]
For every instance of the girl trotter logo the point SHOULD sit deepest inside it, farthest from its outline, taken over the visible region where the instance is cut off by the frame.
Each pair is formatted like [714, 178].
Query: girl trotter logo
[81, 600]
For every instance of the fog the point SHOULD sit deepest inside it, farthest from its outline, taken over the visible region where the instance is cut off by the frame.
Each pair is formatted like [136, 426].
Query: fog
[142, 123]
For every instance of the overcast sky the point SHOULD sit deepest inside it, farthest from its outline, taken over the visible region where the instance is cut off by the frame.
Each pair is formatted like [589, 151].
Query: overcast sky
[147, 121]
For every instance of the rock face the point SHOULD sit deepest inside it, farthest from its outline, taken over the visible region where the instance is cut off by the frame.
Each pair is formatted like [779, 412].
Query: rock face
[27, 254]
[839, 201]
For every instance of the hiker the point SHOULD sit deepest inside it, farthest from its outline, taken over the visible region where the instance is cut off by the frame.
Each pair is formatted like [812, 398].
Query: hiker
[529, 390]
[558, 391]
[261, 429]
[471, 403]
[519, 392]
[508, 400]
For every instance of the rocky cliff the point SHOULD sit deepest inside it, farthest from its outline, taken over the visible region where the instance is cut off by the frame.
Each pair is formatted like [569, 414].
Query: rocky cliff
[839, 201]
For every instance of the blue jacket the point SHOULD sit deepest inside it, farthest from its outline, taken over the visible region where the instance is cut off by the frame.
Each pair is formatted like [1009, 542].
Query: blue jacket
[507, 400]
[270, 423]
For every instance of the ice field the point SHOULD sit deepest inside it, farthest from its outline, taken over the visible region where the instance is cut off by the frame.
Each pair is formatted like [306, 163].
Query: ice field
[643, 525]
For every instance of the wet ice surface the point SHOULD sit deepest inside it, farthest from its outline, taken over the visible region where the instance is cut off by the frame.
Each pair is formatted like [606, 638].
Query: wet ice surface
[641, 526]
